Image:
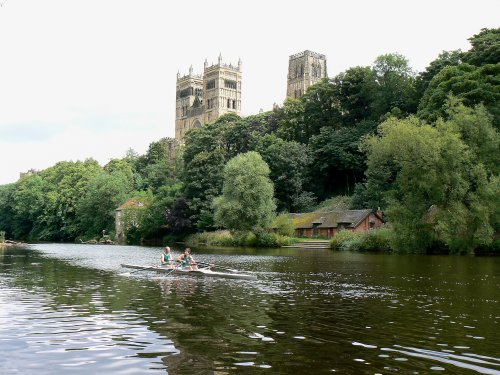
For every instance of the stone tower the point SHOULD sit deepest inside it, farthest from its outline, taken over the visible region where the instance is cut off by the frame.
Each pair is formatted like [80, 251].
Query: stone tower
[201, 99]
[304, 70]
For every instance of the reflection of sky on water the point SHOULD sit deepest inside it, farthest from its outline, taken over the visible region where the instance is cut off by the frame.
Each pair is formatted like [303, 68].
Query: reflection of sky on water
[35, 337]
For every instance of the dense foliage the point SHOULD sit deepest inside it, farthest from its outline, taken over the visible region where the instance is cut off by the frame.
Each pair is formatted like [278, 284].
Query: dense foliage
[246, 202]
[422, 147]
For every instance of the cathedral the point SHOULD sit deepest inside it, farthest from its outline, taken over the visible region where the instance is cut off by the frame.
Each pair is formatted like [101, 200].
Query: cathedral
[304, 70]
[203, 98]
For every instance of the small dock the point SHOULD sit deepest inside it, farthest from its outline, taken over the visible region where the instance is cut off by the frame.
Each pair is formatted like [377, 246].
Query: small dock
[313, 245]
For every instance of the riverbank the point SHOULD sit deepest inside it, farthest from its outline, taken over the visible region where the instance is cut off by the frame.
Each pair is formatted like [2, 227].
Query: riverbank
[9, 243]
[239, 239]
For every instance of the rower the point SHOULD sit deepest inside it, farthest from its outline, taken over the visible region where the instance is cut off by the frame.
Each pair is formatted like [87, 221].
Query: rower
[167, 259]
[187, 261]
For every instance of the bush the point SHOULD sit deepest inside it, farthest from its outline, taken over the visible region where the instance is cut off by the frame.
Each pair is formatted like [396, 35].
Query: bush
[372, 240]
[244, 238]
[284, 225]
[217, 238]
[376, 240]
[261, 238]
[268, 239]
[341, 237]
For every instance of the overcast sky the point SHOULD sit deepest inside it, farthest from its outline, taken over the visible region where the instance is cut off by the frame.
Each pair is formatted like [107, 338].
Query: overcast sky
[93, 78]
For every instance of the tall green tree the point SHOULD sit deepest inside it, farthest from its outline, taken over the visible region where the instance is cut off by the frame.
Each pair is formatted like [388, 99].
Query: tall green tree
[291, 123]
[485, 48]
[289, 163]
[247, 200]
[355, 91]
[337, 161]
[473, 85]
[445, 58]
[203, 182]
[7, 209]
[96, 208]
[154, 222]
[395, 90]
[441, 192]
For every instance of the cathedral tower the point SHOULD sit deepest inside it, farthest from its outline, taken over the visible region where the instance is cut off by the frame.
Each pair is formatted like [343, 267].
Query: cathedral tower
[304, 70]
[188, 103]
[202, 99]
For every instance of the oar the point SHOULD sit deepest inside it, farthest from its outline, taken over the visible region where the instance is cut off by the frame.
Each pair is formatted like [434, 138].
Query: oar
[224, 268]
[169, 272]
[137, 270]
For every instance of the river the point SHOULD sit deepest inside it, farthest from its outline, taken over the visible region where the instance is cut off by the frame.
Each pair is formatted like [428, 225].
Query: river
[73, 309]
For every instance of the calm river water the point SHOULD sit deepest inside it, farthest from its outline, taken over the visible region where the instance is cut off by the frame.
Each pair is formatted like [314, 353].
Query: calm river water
[73, 309]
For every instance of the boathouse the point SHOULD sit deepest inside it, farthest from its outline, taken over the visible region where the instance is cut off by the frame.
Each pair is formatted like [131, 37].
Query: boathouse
[327, 224]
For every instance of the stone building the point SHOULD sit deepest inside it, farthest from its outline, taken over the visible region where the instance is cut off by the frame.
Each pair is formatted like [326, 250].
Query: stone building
[201, 99]
[304, 70]
[127, 217]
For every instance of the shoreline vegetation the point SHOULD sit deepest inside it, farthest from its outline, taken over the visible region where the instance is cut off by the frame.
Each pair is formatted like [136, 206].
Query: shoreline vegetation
[423, 147]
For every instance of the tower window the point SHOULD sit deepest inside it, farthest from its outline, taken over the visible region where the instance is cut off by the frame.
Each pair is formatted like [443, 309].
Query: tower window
[230, 84]
[211, 84]
[186, 92]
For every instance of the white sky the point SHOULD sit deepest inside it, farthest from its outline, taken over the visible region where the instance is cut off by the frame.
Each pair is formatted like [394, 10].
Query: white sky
[92, 78]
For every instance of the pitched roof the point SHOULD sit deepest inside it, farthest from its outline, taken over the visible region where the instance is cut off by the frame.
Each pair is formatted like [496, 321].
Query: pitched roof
[131, 203]
[329, 219]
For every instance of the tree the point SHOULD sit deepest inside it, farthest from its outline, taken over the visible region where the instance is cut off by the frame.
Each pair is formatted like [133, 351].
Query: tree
[291, 123]
[178, 217]
[67, 183]
[7, 209]
[321, 108]
[355, 91]
[29, 206]
[247, 201]
[473, 85]
[445, 58]
[475, 128]
[203, 182]
[337, 162]
[437, 189]
[395, 85]
[289, 162]
[154, 222]
[485, 48]
[96, 208]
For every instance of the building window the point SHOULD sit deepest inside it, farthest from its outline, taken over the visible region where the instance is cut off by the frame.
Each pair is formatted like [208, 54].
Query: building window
[186, 92]
[211, 84]
[234, 104]
[230, 84]
[229, 103]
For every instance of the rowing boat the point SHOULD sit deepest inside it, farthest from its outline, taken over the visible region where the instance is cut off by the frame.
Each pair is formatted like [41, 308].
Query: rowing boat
[204, 272]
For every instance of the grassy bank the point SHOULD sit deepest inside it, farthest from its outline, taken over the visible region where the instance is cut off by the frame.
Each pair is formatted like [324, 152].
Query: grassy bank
[372, 240]
[243, 239]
